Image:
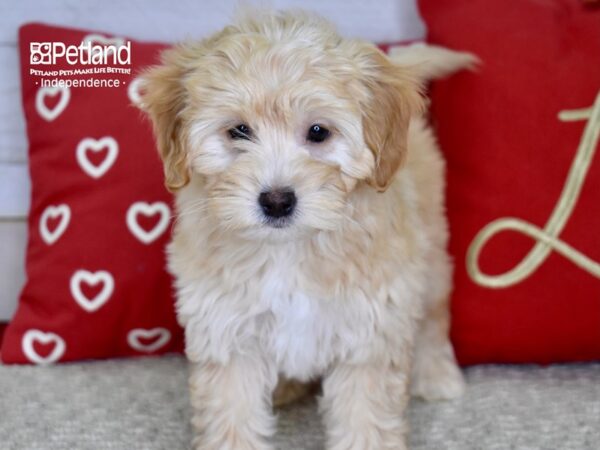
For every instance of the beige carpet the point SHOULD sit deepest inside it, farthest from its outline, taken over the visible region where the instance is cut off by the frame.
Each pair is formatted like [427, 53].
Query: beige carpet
[142, 404]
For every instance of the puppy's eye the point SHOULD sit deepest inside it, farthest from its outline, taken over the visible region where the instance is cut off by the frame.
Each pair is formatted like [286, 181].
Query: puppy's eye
[317, 133]
[242, 131]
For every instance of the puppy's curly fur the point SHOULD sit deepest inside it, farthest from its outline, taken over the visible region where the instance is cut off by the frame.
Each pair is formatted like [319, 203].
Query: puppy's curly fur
[343, 288]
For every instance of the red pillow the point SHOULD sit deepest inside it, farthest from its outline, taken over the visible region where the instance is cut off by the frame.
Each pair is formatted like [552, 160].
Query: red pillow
[100, 215]
[512, 133]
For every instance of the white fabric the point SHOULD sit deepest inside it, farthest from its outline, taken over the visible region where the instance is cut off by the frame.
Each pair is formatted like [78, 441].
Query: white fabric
[151, 20]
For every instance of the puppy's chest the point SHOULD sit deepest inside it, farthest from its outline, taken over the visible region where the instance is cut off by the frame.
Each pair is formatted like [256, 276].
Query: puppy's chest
[303, 329]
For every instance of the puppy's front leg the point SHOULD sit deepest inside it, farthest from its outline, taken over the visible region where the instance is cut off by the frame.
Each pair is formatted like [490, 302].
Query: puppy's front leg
[232, 404]
[364, 407]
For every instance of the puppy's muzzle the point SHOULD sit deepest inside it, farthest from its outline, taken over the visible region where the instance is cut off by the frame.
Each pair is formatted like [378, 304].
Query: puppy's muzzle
[278, 203]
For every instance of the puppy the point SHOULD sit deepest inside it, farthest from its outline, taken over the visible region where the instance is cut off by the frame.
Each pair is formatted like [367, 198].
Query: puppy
[311, 238]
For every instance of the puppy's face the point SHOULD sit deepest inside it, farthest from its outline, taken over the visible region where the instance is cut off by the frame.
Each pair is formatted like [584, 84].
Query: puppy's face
[278, 120]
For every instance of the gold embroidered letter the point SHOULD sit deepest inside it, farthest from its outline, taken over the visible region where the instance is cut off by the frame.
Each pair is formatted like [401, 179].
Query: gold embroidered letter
[548, 238]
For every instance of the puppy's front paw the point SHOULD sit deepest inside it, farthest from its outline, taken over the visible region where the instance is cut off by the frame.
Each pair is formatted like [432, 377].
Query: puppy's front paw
[371, 442]
[437, 379]
[229, 440]
[230, 409]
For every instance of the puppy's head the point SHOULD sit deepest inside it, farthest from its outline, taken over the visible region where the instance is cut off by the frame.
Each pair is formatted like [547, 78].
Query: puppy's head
[275, 120]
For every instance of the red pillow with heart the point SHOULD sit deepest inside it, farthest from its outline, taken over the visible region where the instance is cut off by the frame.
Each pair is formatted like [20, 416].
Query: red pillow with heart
[100, 215]
[511, 133]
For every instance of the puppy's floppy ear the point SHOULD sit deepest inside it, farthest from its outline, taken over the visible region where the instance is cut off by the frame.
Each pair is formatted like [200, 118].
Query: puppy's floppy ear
[163, 99]
[394, 97]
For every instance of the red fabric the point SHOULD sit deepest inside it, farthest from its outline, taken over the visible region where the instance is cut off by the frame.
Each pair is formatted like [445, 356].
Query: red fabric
[138, 315]
[508, 156]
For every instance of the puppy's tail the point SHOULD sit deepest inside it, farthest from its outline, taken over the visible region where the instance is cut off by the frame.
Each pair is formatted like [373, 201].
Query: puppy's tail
[430, 62]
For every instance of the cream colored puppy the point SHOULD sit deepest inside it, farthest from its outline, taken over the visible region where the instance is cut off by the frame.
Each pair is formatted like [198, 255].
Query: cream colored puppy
[311, 236]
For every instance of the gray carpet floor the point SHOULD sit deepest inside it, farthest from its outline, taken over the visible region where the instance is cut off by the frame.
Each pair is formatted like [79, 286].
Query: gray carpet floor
[142, 404]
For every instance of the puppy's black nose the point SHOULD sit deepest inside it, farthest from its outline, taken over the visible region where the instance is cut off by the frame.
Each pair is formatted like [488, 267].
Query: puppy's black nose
[277, 203]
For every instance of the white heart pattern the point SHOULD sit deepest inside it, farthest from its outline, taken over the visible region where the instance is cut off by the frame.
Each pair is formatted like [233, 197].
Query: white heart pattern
[49, 114]
[161, 336]
[92, 278]
[64, 212]
[148, 209]
[98, 39]
[32, 336]
[95, 145]
[133, 92]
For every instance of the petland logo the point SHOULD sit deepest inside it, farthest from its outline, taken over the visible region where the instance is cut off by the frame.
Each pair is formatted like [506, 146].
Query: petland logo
[89, 52]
